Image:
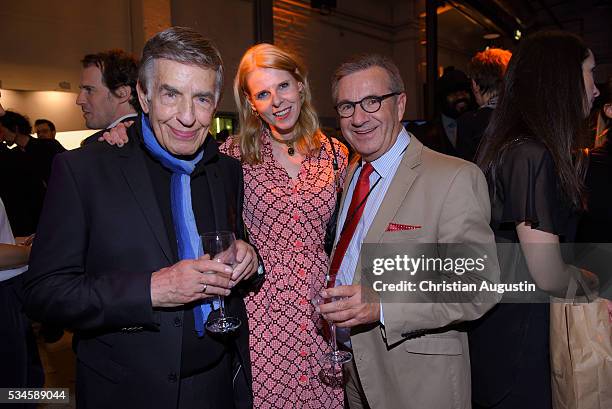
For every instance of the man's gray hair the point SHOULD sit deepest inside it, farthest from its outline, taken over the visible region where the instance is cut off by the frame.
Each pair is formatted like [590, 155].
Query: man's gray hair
[183, 45]
[362, 62]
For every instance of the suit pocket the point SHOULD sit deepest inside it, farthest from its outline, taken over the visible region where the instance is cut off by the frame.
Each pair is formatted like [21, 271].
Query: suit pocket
[400, 236]
[96, 355]
[432, 345]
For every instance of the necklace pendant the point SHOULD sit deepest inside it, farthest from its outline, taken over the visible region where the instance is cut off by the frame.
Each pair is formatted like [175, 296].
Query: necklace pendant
[290, 150]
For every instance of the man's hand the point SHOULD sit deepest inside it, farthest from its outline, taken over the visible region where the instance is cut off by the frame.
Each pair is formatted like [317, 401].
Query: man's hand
[117, 135]
[188, 281]
[352, 309]
[25, 240]
[247, 262]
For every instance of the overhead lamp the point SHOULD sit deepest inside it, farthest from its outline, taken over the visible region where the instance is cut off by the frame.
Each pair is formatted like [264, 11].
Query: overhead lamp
[517, 34]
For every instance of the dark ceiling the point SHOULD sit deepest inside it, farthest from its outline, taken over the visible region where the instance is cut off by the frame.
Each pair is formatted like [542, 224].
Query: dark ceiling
[590, 19]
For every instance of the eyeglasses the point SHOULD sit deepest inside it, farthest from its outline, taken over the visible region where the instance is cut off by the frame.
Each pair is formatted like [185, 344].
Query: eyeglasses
[370, 104]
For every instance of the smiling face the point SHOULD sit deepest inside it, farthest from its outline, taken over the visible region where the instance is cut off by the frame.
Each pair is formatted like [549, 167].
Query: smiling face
[275, 95]
[181, 105]
[590, 89]
[371, 134]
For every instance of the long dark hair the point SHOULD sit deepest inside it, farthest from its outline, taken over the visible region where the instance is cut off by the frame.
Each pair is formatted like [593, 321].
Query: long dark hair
[543, 98]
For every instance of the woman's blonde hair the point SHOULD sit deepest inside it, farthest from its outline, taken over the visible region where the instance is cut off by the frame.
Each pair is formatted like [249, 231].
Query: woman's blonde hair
[307, 125]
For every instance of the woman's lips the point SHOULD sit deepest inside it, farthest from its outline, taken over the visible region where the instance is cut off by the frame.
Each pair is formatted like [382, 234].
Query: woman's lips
[283, 116]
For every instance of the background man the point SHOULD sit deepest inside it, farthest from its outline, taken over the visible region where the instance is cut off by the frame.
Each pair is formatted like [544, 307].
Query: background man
[120, 270]
[16, 129]
[487, 69]
[108, 90]
[23, 186]
[406, 355]
[45, 129]
[453, 98]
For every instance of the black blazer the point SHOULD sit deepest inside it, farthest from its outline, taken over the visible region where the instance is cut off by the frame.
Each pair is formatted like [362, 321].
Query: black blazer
[470, 129]
[100, 237]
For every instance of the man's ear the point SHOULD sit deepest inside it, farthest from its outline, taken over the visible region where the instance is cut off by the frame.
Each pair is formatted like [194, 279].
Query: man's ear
[401, 105]
[142, 98]
[124, 93]
[475, 88]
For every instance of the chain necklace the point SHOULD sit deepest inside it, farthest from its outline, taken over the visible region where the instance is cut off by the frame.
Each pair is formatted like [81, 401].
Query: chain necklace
[289, 143]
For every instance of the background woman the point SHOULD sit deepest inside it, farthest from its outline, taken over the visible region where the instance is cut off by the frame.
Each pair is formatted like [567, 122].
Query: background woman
[596, 224]
[290, 194]
[536, 196]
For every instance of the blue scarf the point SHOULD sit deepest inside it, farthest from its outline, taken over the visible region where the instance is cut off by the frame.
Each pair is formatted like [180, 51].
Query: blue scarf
[187, 235]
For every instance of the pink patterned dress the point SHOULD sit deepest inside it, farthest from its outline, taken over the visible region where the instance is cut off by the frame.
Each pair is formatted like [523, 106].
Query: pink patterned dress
[287, 219]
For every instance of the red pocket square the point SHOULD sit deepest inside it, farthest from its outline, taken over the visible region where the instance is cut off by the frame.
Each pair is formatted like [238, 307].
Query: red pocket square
[401, 227]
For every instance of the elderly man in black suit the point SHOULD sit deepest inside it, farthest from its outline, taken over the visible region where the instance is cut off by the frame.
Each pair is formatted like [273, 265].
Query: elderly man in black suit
[115, 254]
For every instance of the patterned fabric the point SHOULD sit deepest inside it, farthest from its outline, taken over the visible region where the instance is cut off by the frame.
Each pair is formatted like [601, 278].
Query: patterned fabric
[286, 219]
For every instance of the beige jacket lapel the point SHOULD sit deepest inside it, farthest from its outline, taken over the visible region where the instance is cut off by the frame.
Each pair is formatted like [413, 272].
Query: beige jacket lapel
[397, 191]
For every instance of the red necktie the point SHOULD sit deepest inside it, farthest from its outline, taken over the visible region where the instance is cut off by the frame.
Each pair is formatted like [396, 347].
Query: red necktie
[358, 202]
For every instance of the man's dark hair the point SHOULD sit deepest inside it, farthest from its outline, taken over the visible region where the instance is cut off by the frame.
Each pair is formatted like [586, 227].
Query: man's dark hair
[15, 122]
[118, 69]
[43, 121]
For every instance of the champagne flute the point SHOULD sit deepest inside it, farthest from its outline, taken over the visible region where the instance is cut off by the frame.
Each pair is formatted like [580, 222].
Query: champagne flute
[336, 356]
[221, 247]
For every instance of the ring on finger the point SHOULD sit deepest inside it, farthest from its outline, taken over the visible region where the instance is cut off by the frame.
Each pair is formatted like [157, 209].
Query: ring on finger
[205, 287]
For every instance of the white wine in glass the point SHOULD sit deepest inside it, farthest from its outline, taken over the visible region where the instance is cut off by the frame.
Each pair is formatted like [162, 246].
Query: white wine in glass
[222, 248]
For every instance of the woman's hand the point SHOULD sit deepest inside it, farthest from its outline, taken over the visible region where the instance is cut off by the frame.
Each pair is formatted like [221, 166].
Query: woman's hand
[117, 135]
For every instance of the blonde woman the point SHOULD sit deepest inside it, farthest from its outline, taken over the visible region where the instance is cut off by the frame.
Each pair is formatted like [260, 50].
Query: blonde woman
[290, 194]
[290, 187]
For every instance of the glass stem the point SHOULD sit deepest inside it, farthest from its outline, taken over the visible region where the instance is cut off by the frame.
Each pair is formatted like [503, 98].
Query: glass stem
[334, 344]
[221, 306]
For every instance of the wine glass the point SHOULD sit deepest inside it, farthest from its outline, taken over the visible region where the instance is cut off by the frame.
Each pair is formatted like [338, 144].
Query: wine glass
[221, 247]
[335, 357]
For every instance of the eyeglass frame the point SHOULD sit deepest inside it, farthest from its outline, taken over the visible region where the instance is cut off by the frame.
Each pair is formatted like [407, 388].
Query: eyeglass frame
[380, 99]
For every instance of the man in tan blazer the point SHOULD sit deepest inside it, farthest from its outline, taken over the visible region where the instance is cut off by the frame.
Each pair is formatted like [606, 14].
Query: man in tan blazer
[406, 355]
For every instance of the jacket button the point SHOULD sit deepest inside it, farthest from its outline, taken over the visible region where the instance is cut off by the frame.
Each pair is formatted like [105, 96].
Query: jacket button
[172, 377]
[178, 322]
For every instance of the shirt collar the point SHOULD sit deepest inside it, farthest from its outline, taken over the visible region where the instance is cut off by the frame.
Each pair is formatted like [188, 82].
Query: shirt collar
[124, 117]
[385, 164]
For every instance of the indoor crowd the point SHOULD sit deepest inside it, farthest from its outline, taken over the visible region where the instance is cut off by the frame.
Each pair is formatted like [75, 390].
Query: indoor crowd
[104, 241]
